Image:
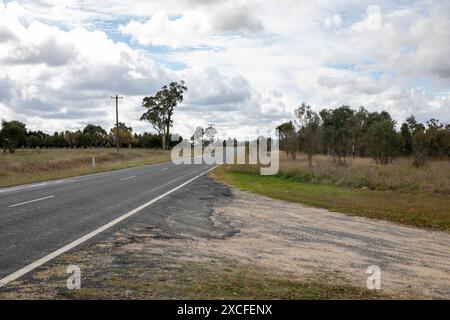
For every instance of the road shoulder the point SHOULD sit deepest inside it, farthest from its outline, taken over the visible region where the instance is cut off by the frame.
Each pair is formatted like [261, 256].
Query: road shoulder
[226, 243]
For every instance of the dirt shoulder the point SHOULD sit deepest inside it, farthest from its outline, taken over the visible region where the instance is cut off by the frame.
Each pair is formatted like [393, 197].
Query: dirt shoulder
[249, 246]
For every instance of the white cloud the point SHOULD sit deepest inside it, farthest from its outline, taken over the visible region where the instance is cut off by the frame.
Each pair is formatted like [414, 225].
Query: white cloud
[247, 64]
[194, 27]
[66, 77]
[160, 30]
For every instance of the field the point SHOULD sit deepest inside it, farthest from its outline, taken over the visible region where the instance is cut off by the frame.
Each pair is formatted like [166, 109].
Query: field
[26, 166]
[397, 192]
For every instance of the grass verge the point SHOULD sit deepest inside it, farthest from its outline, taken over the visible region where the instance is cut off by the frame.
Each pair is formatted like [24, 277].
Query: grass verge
[27, 166]
[415, 209]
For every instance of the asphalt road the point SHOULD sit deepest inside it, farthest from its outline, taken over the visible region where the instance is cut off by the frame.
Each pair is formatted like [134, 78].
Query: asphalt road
[38, 219]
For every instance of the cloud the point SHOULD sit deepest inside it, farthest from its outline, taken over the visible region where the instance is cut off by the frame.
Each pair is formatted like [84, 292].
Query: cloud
[406, 41]
[209, 87]
[247, 64]
[193, 27]
[66, 77]
[161, 30]
[237, 19]
[351, 84]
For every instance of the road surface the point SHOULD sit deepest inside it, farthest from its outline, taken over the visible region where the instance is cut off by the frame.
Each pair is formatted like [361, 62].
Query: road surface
[36, 220]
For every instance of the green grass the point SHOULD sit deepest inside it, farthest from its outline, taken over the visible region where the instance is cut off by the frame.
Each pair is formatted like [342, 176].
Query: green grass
[26, 166]
[415, 209]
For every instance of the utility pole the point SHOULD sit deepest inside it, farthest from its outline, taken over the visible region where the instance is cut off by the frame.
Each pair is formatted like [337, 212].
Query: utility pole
[117, 119]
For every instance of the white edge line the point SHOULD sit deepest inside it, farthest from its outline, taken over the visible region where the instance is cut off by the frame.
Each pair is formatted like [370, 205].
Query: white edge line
[15, 275]
[31, 201]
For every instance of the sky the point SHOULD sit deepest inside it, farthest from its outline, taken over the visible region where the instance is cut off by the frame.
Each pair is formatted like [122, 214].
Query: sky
[247, 64]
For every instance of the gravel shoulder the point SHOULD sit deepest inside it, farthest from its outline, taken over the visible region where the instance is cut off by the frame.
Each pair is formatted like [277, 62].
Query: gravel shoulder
[212, 231]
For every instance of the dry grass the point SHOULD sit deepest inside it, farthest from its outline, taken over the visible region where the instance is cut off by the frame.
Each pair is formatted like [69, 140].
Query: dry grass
[27, 166]
[365, 173]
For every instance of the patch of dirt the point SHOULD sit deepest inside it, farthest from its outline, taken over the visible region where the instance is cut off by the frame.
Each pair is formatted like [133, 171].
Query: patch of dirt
[302, 241]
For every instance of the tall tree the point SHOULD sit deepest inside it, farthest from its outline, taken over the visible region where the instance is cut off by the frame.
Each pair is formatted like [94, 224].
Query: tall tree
[309, 123]
[357, 124]
[337, 135]
[160, 109]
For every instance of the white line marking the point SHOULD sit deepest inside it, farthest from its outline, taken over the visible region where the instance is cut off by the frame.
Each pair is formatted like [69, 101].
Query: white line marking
[127, 178]
[164, 169]
[35, 185]
[54, 254]
[26, 202]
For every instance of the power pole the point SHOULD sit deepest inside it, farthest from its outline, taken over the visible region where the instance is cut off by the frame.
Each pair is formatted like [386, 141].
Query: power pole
[117, 119]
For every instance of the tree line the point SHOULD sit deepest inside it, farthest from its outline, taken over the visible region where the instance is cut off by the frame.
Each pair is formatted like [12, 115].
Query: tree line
[345, 132]
[14, 134]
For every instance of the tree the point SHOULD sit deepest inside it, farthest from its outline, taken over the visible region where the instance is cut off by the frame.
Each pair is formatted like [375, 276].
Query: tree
[12, 133]
[337, 135]
[125, 135]
[357, 125]
[288, 139]
[160, 109]
[406, 140]
[70, 138]
[309, 123]
[420, 148]
[33, 141]
[148, 140]
[382, 141]
[438, 139]
[82, 140]
[419, 141]
[96, 133]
